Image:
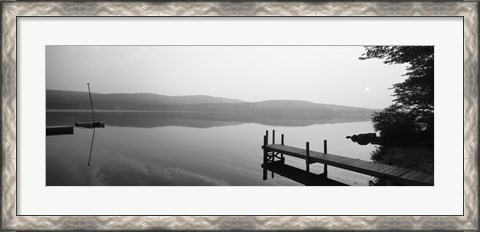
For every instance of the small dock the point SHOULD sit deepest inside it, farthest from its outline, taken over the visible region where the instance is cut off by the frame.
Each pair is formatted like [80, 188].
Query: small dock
[59, 130]
[395, 174]
[90, 124]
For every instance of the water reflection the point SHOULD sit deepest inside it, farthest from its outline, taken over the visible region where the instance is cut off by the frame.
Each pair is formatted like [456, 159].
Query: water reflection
[144, 150]
[190, 119]
[91, 147]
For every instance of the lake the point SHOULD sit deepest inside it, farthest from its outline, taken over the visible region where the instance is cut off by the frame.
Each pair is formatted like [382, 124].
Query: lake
[189, 149]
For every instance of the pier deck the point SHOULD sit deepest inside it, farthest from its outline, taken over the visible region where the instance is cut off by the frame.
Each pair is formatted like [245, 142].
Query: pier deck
[402, 175]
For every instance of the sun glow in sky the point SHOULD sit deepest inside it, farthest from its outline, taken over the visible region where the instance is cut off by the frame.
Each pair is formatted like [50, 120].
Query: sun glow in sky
[322, 74]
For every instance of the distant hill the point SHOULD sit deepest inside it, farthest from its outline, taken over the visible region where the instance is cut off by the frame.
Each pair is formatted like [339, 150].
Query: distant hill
[58, 99]
[286, 109]
[296, 104]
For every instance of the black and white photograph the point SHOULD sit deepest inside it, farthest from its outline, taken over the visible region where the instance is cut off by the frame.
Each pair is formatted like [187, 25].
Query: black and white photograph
[251, 115]
[239, 115]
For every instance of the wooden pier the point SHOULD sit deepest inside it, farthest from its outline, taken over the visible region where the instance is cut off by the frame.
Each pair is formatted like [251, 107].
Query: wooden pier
[59, 130]
[396, 174]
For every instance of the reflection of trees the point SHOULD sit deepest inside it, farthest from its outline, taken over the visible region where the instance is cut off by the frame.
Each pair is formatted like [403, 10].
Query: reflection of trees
[419, 158]
[378, 156]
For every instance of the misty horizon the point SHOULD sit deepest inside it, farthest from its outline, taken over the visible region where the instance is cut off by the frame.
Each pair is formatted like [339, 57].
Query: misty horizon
[318, 74]
[205, 95]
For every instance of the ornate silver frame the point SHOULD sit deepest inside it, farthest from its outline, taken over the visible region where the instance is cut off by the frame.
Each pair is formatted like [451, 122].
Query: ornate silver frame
[11, 10]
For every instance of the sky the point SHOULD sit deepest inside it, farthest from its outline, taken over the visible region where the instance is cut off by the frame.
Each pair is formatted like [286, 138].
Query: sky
[321, 74]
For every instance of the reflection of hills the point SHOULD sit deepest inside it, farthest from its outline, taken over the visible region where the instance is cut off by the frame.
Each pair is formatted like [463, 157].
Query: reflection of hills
[192, 119]
[153, 110]
[133, 119]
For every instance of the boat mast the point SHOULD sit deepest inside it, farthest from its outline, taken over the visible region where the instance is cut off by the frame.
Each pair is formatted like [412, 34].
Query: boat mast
[91, 103]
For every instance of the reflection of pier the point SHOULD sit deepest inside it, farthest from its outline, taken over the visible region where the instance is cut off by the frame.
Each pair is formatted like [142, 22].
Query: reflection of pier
[277, 151]
[298, 175]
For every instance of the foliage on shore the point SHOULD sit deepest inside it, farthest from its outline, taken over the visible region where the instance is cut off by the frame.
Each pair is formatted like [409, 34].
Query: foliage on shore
[406, 127]
[418, 158]
[410, 118]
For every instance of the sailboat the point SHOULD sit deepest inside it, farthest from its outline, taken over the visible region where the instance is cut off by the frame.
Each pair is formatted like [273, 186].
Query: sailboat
[93, 123]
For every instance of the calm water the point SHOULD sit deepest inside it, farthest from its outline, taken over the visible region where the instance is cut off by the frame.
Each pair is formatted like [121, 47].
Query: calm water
[175, 148]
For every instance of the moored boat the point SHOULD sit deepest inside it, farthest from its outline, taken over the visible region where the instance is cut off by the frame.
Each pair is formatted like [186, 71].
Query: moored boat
[90, 124]
[93, 123]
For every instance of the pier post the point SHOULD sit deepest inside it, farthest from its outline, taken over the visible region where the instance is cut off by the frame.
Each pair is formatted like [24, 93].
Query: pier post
[273, 137]
[308, 157]
[265, 140]
[273, 154]
[325, 146]
[281, 154]
[325, 151]
[264, 148]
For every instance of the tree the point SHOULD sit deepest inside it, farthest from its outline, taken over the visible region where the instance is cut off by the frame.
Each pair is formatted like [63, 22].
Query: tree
[411, 114]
